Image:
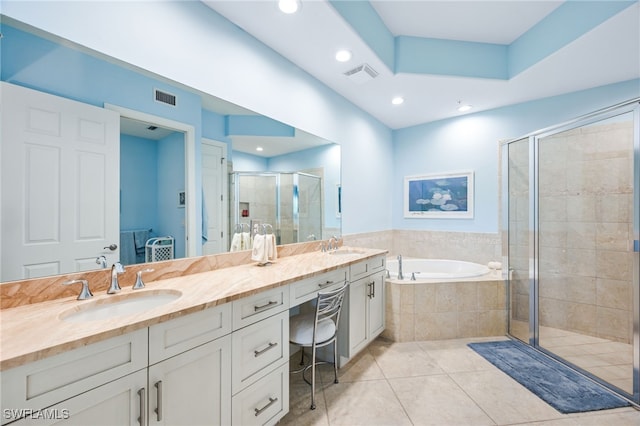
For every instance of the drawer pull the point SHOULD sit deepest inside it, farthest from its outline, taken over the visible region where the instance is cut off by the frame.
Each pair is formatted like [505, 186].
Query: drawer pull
[266, 306]
[256, 354]
[269, 404]
[143, 408]
[329, 282]
[158, 409]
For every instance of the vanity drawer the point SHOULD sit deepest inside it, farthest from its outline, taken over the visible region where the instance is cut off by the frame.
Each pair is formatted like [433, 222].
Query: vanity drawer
[258, 347]
[264, 402]
[308, 288]
[51, 380]
[254, 308]
[181, 334]
[367, 267]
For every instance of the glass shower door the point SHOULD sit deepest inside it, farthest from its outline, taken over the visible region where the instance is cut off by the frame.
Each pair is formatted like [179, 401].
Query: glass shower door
[516, 158]
[585, 233]
[309, 196]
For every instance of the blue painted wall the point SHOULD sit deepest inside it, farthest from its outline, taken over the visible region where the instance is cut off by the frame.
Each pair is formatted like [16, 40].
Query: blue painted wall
[471, 142]
[138, 183]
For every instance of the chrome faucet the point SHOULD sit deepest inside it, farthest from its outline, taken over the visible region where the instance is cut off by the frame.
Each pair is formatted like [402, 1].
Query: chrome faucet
[333, 246]
[116, 269]
[102, 261]
[400, 276]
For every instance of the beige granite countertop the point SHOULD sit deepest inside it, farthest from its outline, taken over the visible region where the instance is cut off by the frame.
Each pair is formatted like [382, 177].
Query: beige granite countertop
[36, 331]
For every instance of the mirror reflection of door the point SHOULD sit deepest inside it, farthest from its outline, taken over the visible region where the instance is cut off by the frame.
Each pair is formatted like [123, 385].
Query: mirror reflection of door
[214, 210]
[59, 184]
[152, 182]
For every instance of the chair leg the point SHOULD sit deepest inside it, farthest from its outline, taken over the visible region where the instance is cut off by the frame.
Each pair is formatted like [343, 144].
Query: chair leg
[313, 377]
[301, 355]
[335, 361]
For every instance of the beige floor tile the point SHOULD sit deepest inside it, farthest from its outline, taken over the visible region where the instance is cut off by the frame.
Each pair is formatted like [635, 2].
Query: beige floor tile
[364, 403]
[299, 407]
[437, 400]
[363, 367]
[504, 399]
[459, 360]
[404, 360]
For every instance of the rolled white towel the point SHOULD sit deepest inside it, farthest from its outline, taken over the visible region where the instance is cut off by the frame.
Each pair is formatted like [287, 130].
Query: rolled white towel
[494, 265]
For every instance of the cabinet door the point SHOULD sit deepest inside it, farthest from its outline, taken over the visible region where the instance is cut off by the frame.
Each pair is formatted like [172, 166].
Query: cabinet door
[376, 304]
[358, 303]
[115, 403]
[193, 388]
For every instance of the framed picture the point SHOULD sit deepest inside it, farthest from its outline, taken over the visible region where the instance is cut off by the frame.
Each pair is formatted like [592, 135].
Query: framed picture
[443, 195]
[181, 199]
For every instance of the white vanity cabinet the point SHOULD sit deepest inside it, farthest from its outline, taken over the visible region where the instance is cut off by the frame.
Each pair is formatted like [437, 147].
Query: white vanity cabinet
[190, 369]
[176, 372]
[260, 349]
[36, 390]
[363, 316]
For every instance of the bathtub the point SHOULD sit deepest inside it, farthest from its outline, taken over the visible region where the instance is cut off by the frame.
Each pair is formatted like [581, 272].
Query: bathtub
[436, 269]
[450, 299]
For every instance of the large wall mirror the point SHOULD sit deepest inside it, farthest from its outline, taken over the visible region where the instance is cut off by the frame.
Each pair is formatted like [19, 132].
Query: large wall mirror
[176, 155]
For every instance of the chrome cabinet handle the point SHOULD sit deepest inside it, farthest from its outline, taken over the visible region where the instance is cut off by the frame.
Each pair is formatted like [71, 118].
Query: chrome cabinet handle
[256, 354]
[143, 411]
[269, 404]
[263, 307]
[158, 409]
[321, 285]
[373, 289]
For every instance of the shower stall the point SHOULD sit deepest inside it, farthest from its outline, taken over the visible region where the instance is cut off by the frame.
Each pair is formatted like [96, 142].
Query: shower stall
[570, 220]
[290, 202]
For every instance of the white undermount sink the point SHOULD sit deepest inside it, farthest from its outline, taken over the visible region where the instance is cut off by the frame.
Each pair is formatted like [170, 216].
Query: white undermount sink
[119, 305]
[345, 251]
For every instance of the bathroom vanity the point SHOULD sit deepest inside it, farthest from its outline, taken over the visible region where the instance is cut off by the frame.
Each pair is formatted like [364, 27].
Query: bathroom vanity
[215, 352]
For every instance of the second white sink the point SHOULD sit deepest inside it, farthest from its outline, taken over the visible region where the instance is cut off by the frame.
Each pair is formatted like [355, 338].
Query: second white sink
[120, 305]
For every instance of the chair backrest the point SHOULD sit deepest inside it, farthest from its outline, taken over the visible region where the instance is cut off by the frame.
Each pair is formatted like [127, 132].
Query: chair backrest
[329, 304]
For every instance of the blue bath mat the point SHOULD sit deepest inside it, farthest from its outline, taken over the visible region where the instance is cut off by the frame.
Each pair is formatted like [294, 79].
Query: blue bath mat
[555, 383]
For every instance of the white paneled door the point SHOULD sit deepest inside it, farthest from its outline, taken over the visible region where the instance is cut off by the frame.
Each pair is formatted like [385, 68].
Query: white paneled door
[214, 169]
[59, 184]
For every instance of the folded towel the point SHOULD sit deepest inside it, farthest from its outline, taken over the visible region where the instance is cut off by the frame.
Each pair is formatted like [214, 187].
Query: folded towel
[140, 240]
[236, 242]
[259, 252]
[127, 248]
[246, 241]
[273, 250]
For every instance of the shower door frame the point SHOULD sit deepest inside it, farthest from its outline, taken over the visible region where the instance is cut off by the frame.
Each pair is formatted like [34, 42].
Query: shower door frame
[631, 106]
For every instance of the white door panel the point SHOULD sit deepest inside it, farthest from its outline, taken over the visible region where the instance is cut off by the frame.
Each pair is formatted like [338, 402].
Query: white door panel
[60, 184]
[214, 169]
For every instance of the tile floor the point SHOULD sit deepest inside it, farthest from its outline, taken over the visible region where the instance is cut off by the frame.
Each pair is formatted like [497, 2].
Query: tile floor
[428, 383]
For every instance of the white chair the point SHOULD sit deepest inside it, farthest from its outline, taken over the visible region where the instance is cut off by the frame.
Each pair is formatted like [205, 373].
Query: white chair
[317, 329]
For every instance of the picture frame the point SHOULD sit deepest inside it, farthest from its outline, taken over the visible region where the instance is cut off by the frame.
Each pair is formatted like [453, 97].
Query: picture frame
[181, 199]
[447, 195]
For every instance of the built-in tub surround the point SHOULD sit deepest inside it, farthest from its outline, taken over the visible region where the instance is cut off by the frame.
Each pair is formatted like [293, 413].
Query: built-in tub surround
[38, 330]
[437, 309]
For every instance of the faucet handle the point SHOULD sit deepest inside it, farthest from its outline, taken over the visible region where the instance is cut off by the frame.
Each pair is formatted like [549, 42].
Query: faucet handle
[85, 293]
[139, 284]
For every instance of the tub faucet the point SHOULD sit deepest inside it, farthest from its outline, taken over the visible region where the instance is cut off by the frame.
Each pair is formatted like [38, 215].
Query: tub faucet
[116, 269]
[400, 276]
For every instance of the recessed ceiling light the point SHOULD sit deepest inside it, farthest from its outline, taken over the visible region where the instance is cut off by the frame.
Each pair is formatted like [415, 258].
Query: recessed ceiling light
[463, 107]
[289, 6]
[397, 100]
[258, 148]
[343, 55]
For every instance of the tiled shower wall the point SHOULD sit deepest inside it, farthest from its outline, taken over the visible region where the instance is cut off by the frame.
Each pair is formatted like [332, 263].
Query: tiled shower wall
[586, 230]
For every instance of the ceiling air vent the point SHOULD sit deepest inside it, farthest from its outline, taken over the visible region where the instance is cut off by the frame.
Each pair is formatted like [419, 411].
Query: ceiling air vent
[361, 74]
[165, 98]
